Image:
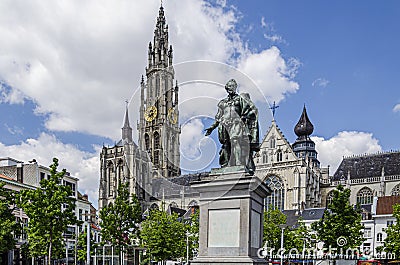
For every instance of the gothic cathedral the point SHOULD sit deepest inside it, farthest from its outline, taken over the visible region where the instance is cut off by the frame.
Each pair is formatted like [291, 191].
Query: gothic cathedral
[157, 152]
[159, 115]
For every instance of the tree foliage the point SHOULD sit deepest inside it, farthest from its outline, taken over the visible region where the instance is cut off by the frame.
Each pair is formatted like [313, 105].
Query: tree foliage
[274, 219]
[341, 221]
[50, 209]
[293, 237]
[120, 221]
[9, 226]
[193, 230]
[164, 236]
[392, 241]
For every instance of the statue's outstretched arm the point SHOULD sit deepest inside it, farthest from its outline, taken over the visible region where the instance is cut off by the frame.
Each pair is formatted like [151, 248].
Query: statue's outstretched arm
[211, 128]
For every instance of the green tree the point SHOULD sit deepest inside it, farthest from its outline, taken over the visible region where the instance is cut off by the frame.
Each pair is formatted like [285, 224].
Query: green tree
[340, 227]
[9, 226]
[293, 237]
[392, 241]
[120, 221]
[164, 236]
[301, 236]
[50, 209]
[82, 246]
[274, 219]
[193, 230]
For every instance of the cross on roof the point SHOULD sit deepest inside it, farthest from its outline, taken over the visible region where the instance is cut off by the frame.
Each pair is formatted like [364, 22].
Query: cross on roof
[273, 108]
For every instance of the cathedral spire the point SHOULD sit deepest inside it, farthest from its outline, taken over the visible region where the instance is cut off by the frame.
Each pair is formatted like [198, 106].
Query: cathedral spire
[126, 130]
[160, 53]
[304, 128]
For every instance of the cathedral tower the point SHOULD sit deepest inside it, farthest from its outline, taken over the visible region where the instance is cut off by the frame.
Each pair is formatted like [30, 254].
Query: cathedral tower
[158, 119]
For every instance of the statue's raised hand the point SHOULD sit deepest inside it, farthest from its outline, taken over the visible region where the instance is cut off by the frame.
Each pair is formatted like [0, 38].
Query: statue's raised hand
[208, 131]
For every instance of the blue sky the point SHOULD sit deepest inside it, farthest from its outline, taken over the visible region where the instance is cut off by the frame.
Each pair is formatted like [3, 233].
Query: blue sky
[351, 44]
[67, 68]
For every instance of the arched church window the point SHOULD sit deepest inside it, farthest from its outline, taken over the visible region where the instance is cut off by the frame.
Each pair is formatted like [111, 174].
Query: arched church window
[276, 200]
[329, 198]
[157, 85]
[396, 190]
[120, 169]
[364, 196]
[110, 177]
[279, 155]
[265, 157]
[156, 157]
[156, 140]
[272, 142]
[147, 141]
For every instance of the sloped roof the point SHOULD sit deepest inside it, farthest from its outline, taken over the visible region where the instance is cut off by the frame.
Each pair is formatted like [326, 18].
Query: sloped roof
[292, 216]
[385, 204]
[370, 165]
[173, 186]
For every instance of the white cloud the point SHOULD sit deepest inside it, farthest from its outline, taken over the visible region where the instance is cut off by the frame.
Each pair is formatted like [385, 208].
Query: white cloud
[79, 61]
[331, 151]
[270, 34]
[197, 150]
[320, 82]
[396, 108]
[272, 74]
[82, 165]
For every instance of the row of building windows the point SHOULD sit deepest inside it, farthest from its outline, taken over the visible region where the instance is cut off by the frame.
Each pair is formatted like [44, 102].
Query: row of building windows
[279, 156]
[365, 195]
[277, 198]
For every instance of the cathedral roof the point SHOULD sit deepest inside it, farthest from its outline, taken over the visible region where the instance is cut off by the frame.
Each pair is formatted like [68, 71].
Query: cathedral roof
[369, 165]
[172, 187]
[304, 127]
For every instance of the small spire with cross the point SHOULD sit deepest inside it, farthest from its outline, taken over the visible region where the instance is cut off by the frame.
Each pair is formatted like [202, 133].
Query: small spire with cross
[273, 108]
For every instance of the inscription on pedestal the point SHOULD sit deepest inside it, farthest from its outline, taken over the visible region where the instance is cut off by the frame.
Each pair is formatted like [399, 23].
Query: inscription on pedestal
[223, 228]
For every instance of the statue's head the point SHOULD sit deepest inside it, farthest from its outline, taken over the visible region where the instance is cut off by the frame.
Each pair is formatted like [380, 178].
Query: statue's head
[231, 86]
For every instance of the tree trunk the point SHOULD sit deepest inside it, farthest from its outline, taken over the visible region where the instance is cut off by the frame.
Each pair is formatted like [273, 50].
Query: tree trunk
[50, 248]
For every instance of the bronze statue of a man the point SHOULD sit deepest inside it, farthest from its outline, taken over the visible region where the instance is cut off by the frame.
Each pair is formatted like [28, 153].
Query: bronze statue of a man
[237, 122]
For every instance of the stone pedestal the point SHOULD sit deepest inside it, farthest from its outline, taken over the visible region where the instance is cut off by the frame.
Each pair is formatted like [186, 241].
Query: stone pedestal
[231, 218]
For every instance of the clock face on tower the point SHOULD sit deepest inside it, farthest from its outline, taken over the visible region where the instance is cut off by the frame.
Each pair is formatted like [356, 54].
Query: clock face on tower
[150, 113]
[172, 116]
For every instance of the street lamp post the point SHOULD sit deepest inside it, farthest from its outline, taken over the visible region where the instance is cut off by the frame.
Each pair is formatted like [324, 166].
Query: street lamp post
[304, 248]
[88, 244]
[282, 226]
[66, 250]
[88, 215]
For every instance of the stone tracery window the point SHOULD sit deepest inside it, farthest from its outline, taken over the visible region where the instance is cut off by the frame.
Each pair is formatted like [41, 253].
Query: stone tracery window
[147, 141]
[276, 200]
[265, 157]
[272, 142]
[396, 190]
[279, 155]
[156, 140]
[365, 196]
